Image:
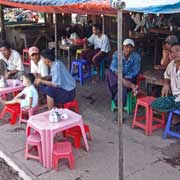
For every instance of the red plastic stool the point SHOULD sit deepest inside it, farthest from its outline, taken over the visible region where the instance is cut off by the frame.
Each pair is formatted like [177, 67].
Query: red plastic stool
[33, 139]
[62, 150]
[25, 57]
[149, 118]
[140, 78]
[30, 112]
[69, 105]
[77, 129]
[14, 109]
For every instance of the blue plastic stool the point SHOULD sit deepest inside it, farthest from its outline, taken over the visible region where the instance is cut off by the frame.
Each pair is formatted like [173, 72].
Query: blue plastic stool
[168, 125]
[80, 75]
[101, 68]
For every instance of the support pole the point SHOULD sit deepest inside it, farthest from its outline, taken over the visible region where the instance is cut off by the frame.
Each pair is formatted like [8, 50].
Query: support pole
[120, 105]
[3, 34]
[55, 36]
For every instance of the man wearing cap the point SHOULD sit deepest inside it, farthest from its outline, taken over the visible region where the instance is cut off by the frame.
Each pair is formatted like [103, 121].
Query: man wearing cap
[12, 60]
[131, 62]
[165, 60]
[38, 66]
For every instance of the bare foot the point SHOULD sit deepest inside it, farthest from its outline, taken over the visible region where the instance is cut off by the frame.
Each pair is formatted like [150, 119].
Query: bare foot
[95, 79]
[2, 101]
[135, 90]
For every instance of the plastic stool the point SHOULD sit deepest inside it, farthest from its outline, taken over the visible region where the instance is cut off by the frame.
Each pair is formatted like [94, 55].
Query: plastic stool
[101, 69]
[80, 75]
[78, 52]
[130, 103]
[33, 139]
[140, 78]
[168, 125]
[77, 129]
[113, 106]
[149, 118]
[25, 57]
[14, 109]
[29, 111]
[62, 150]
[69, 105]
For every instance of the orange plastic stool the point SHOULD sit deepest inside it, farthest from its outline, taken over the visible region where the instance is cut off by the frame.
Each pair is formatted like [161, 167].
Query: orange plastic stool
[25, 57]
[76, 135]
[14, 109]
[29, 111]
[33, 139]
[62, 150]
[69, 105]
[149, 118]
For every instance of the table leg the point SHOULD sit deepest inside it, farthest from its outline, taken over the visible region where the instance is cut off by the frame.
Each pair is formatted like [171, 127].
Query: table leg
[69, 59]
[43, 145]
[84, 135]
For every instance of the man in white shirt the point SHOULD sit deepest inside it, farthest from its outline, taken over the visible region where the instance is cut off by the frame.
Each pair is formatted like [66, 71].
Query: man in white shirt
[12, 59]
[168, 102]
[38, 66]
[101, 47]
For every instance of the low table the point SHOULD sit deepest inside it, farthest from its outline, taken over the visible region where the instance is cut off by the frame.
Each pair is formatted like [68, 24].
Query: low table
[48, 130]
[14, 86]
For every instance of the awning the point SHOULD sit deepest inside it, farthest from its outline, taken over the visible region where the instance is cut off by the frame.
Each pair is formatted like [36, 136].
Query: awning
[64, 6]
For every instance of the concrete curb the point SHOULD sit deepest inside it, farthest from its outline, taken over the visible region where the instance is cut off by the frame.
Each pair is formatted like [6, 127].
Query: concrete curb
[22, 174]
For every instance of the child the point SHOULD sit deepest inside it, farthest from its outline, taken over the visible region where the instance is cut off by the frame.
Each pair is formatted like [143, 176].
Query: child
[30, 93]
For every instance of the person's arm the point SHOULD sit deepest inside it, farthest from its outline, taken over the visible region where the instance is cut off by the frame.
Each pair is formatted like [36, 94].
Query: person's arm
[45, 82]
[9, 73]
[114, 63]
[134, 68]
[166, 88]
[165, 58]
[30, 103]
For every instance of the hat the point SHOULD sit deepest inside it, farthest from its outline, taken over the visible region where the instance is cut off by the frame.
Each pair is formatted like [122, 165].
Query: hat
[33, 50]
[128, 42]
[171, 39]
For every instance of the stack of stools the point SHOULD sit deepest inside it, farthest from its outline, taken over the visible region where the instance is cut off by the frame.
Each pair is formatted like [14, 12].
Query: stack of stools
[34, 140]
[76, 135]
[25, 57]
[80, 75]
[146, 122]
[62, 150]
[168, 129]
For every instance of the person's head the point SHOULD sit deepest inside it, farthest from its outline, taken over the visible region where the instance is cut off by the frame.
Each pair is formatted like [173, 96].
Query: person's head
[49, 56]
[128, 47]
[175, 52]
[34, 54]
[97, 29]
[5, 49]
[169, 41]
[28, 79]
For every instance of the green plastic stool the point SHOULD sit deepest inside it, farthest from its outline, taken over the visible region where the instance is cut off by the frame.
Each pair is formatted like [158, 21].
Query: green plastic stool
[130, 103]
[113, 106]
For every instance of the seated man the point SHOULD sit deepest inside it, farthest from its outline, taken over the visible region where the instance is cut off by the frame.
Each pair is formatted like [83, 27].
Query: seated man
[59, 87]
[165, 60]
[167, 102]
[131, 62]
[101, 47]
[38, 66]
[12, 60]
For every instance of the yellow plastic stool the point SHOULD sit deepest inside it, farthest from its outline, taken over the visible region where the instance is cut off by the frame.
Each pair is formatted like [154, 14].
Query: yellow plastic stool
[78, 52]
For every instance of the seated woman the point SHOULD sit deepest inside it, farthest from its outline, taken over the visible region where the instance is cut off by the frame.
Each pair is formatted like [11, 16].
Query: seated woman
[59, 87]
[165, 60]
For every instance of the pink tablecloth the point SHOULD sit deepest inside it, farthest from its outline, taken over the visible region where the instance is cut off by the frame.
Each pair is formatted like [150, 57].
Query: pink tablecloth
[47, 130]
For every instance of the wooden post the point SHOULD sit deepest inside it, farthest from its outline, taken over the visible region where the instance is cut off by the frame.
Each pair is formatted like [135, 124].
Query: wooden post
[120, 105]
[3, 34]
[55, 37]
